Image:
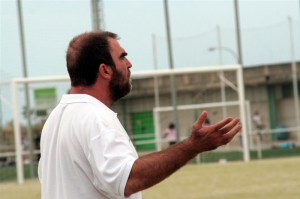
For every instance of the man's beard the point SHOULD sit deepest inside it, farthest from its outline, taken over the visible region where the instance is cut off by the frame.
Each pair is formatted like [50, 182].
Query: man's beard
[119, 86]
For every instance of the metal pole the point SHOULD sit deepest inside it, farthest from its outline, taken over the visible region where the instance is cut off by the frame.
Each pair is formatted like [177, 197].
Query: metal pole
[172, 77]
[157, 129]
[156, 89]
[223, 91]
[219, 44]
[294, 75]
[156, 97]
[1, 118]
[17, 134]
[27, 102]
[238, 34]
[95, 15]
[241, 86]
[242, 100]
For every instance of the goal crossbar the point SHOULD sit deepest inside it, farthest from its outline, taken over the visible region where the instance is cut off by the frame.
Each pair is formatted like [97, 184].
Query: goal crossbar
[135, 75]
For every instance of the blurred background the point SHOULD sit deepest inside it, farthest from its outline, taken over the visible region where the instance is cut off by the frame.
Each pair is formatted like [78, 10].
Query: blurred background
[180, 35]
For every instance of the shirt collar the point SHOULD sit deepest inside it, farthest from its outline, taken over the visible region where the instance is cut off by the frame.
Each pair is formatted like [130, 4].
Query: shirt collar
[84, 98]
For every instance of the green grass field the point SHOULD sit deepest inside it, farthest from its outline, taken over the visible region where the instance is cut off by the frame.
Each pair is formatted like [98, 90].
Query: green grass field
[264, 179]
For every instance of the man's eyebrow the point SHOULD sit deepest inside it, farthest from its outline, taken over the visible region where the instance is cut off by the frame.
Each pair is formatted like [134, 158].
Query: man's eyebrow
[124, 54]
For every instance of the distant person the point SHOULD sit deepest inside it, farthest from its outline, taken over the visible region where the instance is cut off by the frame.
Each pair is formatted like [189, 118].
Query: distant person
[171, 134]
[207, 122]
[258, 124]
[85, 151]
[240, 136]
[257, 120]
[24, 144]
[37, 140]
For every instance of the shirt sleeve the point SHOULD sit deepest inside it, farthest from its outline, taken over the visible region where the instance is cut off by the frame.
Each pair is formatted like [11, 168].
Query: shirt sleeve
[111, 156]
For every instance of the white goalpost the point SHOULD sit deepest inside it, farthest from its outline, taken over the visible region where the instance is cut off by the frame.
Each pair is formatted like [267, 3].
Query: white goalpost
[240, 103]
[16, 117]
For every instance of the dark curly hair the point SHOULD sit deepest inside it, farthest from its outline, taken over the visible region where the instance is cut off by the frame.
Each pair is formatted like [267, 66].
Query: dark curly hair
[85, 54]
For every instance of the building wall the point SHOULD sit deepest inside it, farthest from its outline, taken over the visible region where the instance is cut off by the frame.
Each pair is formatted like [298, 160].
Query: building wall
[205, 88]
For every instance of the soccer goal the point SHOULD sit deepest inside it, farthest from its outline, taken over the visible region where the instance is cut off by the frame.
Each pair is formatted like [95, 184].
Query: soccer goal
[217, 89]
[43, 95]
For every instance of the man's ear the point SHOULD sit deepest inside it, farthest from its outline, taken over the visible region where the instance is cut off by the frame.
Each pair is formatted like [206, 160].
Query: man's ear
[105, 71]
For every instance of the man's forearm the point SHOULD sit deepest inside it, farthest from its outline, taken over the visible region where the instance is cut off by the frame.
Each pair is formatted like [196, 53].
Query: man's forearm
[153, 168]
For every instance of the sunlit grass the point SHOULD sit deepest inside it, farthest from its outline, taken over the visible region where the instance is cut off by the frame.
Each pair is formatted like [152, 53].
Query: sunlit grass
[267, 179]
[264, 179]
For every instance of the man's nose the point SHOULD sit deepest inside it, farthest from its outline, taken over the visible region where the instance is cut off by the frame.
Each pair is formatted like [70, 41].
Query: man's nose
[128, 63]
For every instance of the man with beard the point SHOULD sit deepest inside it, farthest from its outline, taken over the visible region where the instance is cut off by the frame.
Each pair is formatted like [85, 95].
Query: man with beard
[85, 151]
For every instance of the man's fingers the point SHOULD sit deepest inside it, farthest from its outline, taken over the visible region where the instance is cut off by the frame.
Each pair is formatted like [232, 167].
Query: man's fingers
[222, 123]
[230, 125]
[201, 118]
[230, 135]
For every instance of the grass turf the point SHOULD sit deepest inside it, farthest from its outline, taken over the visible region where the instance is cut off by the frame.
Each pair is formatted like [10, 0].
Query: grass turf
[263, 179]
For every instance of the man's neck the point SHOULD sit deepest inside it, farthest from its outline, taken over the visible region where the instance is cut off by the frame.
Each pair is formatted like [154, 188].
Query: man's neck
[105, 99]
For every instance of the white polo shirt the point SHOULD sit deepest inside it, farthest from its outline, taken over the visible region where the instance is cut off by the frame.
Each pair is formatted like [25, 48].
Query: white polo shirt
[85, 151]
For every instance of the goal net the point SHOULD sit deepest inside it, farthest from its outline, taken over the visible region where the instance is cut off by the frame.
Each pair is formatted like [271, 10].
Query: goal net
[216, 89]
[154, 102]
